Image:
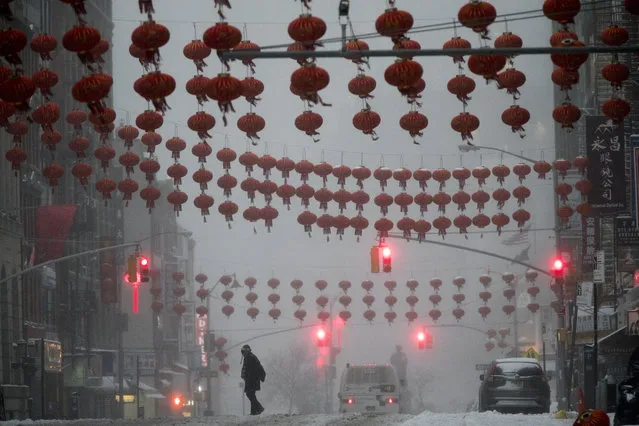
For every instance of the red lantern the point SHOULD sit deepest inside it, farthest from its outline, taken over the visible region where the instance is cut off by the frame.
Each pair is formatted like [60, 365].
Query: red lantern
[177, 198]
[414, 122]
[394, 23]
[301, 47]
[421, 227]
[557, 38]
[251, 124]
[251, 89]
[407, 44]
[81, 40]
[465, 123]
[309, 122]
[16, 156]
[157, 306]
[79, 145]
[367, 121]
[82, 171]
[201, 122]
[477, 15]
[570, 61]
[508, 40]
[442, 224]
[485, 296]
[521, 193]
[542, 168]
[362, 86]
[562, 11]
[534, 307]
[222, 36]
[521, 170]
[357, 51]
[486, 66]
[43, 45]
[127, 187]
[248, 46]
[201, 310]
[310, 79]
[197, 86]
[307, 29]
[564, 78]
[202, 150]
[458, 313]
[12, 42]
[155, 87]
[422, 176]
[566, 114]
[614, 35]
[17, 90]
[511, 80]
[564, 213]
[106, 186]
[533, 291]
[44, 80]
[274, 313]
[515, 117]
[403, 73]
[90, 89]
[616, 109]
[521, 217]
[202, 177]
[616, 74]
[149, 121]
[461, 86]
[583, 186]
[461, 198]
[224, 89]
[412, 93]
[176, 172]
[481, 173]
[434, 314]
[563, 190]
[54, 172]
[508, 309]
[150, 194]
[480, 198]
[197, 51]
[175, 145]
[148, 38]
[562, 166]
[457, 43]
[500, 220]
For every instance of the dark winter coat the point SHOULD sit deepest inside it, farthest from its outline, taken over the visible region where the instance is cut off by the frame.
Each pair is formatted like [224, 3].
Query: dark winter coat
[252, 372]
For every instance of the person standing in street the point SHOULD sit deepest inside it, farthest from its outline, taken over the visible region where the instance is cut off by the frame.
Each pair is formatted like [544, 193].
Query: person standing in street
[399, 361]
[252, 373]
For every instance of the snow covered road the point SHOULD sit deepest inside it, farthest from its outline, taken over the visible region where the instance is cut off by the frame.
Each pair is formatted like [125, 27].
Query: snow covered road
[430, 419]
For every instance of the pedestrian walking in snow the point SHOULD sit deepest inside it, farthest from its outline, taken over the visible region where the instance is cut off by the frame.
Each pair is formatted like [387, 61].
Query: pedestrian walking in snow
[252, 373]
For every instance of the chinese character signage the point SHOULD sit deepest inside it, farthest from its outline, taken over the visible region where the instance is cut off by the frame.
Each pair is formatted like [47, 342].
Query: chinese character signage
[589, 242]
[634, 140]
[199, 337]
[606, 168]
[626, 231]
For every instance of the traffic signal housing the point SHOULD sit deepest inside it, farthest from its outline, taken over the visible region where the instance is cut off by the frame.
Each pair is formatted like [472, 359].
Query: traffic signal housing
[132, 268]
[386, 259]
[144, 269]
[558, 268]
[322, 338]
[375, 260]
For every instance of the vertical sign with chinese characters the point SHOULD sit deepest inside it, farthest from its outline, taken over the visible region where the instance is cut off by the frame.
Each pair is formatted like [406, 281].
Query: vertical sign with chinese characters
[606, 165]
[200, 332]
[634, 143]
[590, 242]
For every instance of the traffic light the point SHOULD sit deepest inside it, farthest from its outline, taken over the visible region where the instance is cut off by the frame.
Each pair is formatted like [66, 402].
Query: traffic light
[177, 402]
[421, 340]
[424, 340]
[132, 268]
[386, 259]
[558, 268]
[375, 260]
[144, 269]
[322, 338]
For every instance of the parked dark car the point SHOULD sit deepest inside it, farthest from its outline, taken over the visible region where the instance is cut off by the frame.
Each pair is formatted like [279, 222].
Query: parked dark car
[514, 385]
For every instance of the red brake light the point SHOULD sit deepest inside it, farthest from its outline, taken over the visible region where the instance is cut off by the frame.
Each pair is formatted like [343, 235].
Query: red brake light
[390, 400]
[350, 400]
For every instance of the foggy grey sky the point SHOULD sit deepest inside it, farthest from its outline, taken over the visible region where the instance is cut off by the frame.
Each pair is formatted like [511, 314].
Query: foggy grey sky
[287, 252]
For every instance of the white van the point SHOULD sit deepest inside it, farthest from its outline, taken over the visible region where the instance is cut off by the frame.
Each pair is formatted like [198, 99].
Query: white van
[369, 388]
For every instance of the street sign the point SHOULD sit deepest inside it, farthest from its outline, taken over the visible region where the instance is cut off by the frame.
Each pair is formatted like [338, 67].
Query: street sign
[599, 273]
[208, 374]
[531, 353]
[626, 231]
[585, 293]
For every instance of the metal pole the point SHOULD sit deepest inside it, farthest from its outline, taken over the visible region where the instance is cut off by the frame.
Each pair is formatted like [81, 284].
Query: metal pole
[469, 148]
[573, 344]
[137, 385]
[235, 54]
[543, 353]
[209, 367]
[43, 399]
[561, 350]
[120, 355]
[465, 248]
[595, 346]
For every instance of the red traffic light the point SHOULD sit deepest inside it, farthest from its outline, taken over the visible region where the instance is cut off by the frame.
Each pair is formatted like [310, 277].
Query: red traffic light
[421, 336]
[144, 261]
[177, 401]
[558, 265]
[386, 252]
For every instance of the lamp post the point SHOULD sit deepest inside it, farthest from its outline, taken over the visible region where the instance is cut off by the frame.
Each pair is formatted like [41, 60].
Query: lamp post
[562, 391]
[209, 344]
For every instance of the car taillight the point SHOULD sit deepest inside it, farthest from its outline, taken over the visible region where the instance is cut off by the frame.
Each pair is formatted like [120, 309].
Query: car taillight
[390, 400]
[348, 401]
